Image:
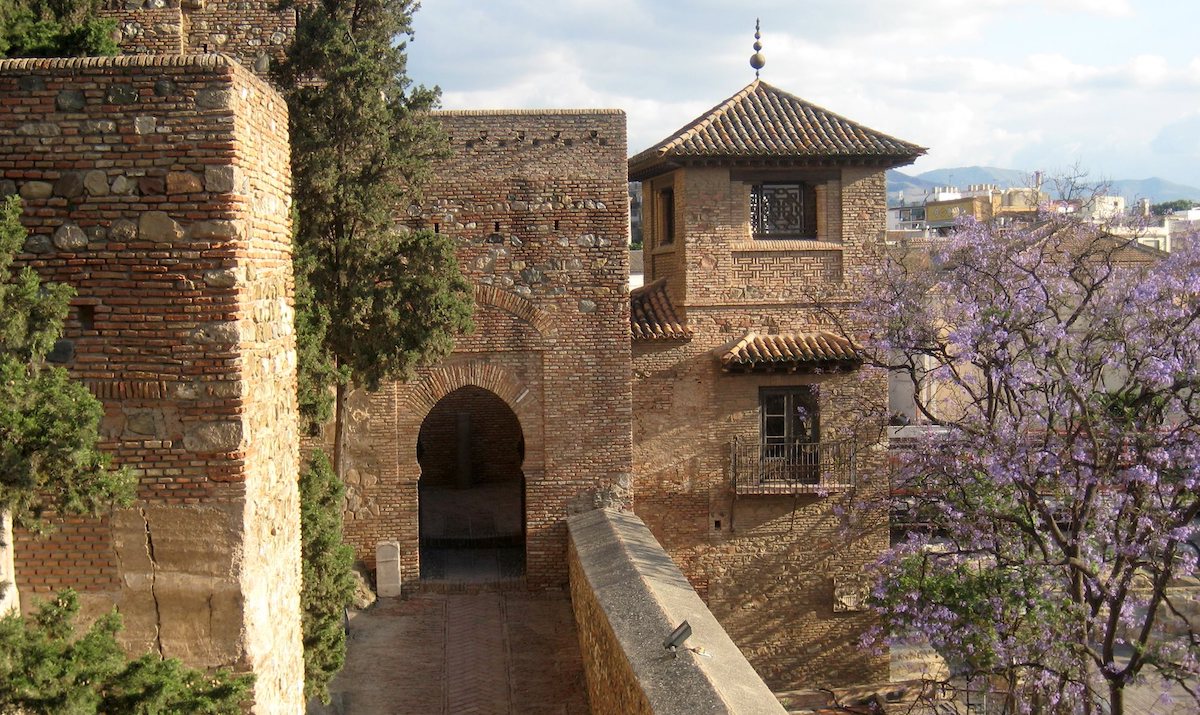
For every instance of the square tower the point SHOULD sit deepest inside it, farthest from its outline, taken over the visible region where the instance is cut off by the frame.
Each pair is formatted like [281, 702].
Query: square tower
[759, 453]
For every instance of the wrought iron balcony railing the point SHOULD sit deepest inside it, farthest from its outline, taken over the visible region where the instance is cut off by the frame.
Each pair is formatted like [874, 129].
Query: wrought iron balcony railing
[797, 468]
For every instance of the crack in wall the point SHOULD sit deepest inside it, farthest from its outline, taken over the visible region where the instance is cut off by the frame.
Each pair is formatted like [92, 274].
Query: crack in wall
[118, 550]
[153, 585]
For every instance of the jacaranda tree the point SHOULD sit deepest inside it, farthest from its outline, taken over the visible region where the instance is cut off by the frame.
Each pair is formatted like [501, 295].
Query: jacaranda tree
[1058, 367]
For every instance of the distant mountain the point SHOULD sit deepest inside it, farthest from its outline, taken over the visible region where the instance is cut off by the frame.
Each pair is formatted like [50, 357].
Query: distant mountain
[966, 175]
[914, 188]
[1156, 189]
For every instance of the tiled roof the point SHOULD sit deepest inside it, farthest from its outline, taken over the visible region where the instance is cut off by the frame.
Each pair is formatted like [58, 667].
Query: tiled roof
[651, 315]
[763, 122]
[793, 352]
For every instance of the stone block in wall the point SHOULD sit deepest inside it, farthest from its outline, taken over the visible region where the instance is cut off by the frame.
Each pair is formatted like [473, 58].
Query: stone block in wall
[850, 594]
[183, 598]
[387, 569]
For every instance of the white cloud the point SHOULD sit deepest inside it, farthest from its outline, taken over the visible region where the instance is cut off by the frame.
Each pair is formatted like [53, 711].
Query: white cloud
[1110, 8]
[1149, 70]
[983, 82]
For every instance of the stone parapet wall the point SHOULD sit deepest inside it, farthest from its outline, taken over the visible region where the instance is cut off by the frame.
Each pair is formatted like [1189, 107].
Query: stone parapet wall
[628, 596]
[157, 186]
[536, 203]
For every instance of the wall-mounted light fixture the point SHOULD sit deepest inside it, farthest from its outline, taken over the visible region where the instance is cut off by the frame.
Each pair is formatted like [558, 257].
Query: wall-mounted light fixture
[677, 637]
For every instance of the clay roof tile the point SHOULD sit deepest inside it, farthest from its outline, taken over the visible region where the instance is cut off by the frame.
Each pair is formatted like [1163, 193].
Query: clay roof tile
[792, 352]
[762, 121]
[652, 316]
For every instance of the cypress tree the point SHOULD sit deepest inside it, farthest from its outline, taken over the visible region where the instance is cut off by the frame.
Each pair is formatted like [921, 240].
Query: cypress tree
[383, 300]
[328, 585]
[46, 669]
[55, 28]
[49, 424]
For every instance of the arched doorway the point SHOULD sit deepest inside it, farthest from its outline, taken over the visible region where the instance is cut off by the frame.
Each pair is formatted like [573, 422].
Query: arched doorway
[471, 492]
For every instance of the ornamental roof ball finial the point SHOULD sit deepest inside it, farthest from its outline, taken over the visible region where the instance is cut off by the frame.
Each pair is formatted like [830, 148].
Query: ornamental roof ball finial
[757, 60]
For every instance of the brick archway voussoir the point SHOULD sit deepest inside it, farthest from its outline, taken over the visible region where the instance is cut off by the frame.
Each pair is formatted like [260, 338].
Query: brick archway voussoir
[421, 397]
[524, 309]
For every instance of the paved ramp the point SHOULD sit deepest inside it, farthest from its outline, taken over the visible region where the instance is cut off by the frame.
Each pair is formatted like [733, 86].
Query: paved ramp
[476, 656]
[508, 653]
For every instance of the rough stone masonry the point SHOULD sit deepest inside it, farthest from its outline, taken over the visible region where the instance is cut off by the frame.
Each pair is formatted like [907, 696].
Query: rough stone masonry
[536, 204]
[158, 187]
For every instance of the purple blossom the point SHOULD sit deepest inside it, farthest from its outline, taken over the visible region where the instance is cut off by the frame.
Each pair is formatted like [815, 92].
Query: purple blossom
[1064, 369]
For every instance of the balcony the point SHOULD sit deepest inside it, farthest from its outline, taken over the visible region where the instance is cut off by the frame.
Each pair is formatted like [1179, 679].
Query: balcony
[798, 468]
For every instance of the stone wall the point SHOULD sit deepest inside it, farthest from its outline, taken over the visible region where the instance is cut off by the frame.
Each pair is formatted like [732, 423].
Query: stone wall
[10, 601]
[252, 31]
[149, 30]
[628, 596]
[158, 188]
[781, 573]
[536, 203]
[255, 32]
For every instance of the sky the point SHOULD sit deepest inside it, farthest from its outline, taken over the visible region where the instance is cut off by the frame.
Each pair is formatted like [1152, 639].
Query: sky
[1110, 86]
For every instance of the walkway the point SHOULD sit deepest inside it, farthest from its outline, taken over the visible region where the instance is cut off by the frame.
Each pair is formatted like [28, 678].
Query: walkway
[508, 653]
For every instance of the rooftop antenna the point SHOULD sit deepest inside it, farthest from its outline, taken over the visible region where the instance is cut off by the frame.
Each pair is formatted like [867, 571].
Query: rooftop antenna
[757, 60]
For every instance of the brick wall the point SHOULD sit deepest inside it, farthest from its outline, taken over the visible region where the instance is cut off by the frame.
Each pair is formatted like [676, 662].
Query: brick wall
[665, 259]
[157, 187]
[251, 31]
[536, 202]
[254, 32]
[149, 30]
[767, 566]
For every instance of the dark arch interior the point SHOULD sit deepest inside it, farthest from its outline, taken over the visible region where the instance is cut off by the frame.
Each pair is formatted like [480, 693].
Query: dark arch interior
[471, 493]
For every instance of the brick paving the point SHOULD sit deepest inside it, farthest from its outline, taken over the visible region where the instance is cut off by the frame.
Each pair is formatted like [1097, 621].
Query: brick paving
[502, 653]
[476, 663]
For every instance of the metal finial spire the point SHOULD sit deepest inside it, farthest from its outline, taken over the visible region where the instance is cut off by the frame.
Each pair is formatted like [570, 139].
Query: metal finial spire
[757, 60]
